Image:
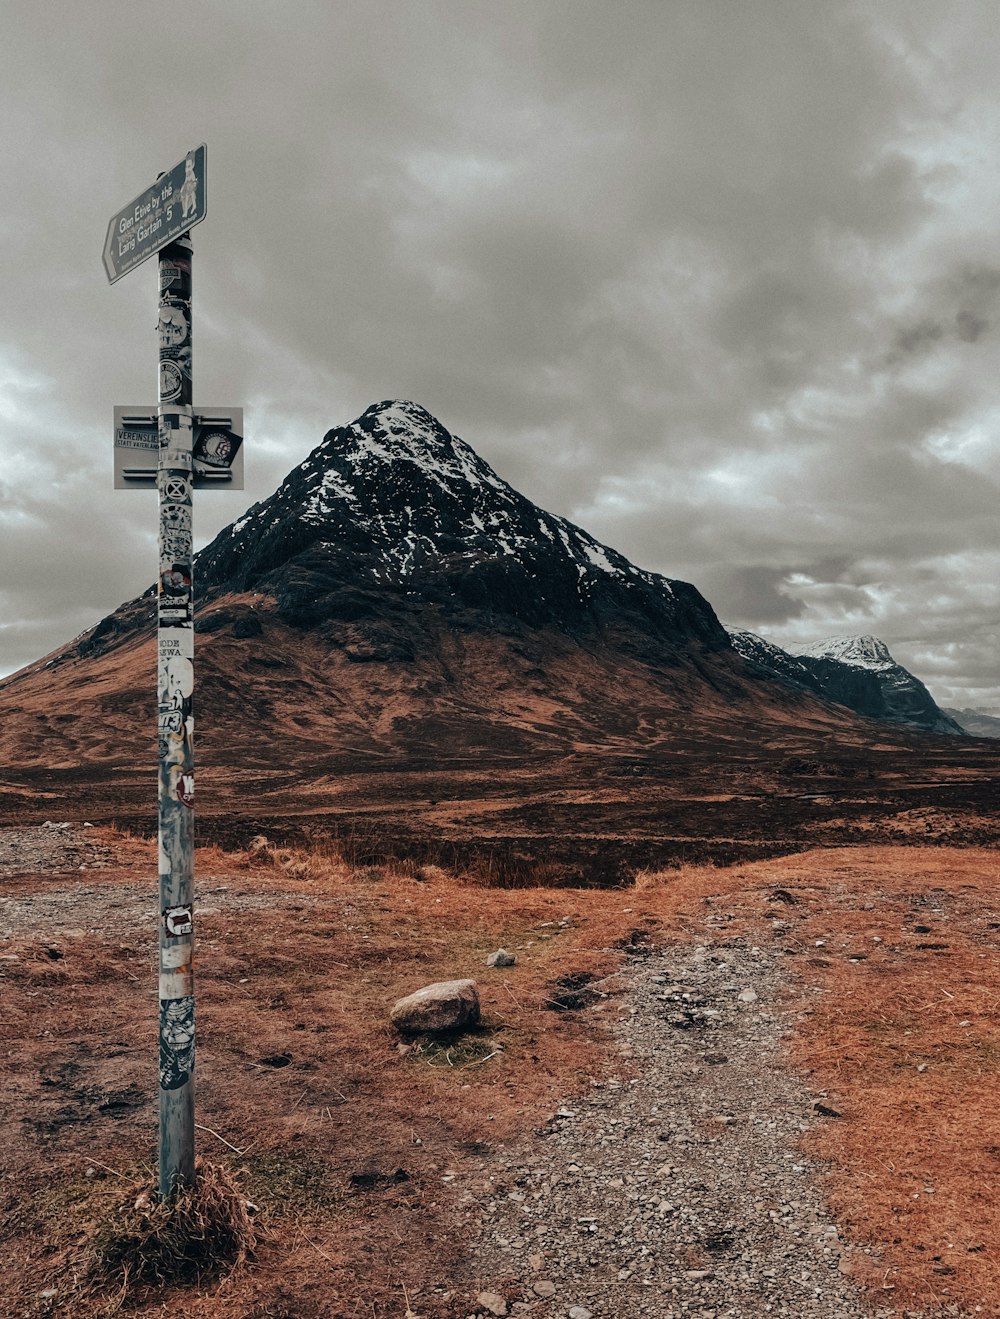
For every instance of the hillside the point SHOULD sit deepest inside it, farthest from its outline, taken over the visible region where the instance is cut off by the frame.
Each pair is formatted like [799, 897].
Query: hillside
[398, 644]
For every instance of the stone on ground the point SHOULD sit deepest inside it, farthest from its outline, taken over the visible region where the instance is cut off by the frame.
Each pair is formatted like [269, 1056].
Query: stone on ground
[491, 1303]
[501, 958]
[446, 1005]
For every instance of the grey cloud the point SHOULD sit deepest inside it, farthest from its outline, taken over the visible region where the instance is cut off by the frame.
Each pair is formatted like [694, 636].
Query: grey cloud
[685, 273]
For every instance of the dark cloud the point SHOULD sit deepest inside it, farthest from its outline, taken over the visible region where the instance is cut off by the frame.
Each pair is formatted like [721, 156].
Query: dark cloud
[717, 281]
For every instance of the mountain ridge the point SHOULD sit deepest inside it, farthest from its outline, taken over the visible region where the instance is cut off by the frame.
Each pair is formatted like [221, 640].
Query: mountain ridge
[857, 672]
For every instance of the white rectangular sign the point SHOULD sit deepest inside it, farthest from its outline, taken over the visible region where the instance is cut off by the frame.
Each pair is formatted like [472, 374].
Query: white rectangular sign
[217, 449]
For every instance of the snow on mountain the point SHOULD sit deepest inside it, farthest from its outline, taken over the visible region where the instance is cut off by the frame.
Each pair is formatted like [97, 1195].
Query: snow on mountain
[771, 659]
[418, 494]
[858, 672]
[394, 501]
[865, 652]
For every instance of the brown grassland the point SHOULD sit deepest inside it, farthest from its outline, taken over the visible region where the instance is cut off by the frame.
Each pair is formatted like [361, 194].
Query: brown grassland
[358, 1152]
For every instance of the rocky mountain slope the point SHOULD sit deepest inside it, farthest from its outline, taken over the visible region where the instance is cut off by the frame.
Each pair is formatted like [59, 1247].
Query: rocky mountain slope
[856, 672]
[399, 645]
[395, 594]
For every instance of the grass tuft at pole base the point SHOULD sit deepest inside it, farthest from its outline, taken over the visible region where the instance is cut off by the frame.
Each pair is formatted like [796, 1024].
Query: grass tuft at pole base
[198, 1233]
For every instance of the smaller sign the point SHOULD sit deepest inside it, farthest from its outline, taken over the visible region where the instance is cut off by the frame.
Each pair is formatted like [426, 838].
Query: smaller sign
[216, 448]
[177, 921]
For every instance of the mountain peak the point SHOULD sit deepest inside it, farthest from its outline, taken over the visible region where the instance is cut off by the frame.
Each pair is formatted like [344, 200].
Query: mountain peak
[863, 651]
[394, 501]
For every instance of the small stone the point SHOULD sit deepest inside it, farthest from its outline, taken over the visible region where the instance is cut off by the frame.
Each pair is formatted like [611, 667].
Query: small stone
[501, 958]
[491, 1303]
[579, 1312]
[748, 996]
[535, 1262]
[544, 1288]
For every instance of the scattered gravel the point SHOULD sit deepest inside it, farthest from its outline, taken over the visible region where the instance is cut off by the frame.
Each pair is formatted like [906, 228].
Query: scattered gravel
[57, 850]
[54, 848]
[682, 1191]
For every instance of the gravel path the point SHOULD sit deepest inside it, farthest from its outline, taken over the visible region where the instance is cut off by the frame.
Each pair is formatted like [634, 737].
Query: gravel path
[50, 849]
[681, 1191]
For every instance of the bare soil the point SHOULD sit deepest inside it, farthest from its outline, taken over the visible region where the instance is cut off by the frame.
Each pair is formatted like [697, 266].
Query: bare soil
[364, 1156]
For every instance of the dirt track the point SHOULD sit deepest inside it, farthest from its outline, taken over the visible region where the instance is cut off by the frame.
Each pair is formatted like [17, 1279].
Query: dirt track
[348, 1144]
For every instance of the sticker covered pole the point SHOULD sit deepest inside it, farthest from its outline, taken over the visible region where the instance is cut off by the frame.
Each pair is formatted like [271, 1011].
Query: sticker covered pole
[175, 720]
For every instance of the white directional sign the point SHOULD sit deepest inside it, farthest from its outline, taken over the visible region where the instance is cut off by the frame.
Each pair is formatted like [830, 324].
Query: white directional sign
[217, 448]
[175, 202]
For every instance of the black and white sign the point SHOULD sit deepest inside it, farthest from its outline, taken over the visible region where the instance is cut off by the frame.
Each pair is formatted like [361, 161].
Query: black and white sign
[217, 448]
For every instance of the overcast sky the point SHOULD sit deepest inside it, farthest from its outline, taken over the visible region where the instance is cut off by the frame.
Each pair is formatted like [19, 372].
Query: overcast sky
[717, 279]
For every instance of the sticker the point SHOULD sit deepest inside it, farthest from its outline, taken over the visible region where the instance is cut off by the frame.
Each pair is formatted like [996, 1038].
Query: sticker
[215, 448]
[189, 188]
[175, 729]
[169, 648]
[171, 381]
[176, 1041]
[176, 515]
[170, 274]
[173, 325]
[175, 488]
[178, 921]
[185, 789]
[176, 458]
[175, 581]
[175, 543]
[170, 721]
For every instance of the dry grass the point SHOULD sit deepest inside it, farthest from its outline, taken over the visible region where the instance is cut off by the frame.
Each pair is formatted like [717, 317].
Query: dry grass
[343, 1138]
[200, 1231]
[896, 987]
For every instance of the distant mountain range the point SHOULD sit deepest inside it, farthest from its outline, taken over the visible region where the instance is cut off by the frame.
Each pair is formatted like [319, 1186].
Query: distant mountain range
[856, 672]
[975, 722]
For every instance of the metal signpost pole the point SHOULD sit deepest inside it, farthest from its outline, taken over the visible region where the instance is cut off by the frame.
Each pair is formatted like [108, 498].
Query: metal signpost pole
[175, 722]
[179, 451]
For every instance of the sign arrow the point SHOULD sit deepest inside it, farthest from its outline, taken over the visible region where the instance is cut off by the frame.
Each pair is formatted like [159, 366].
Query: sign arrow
[168, 208]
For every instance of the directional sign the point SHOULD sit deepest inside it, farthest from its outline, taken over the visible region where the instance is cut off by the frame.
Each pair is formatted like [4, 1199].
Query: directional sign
[217, 448]
[175, 202]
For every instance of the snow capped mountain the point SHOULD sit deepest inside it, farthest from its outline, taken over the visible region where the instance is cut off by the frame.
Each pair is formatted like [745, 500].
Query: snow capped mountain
[857, 672]
[865, 652]
[395, 502]
[771, 659]
[419, 495]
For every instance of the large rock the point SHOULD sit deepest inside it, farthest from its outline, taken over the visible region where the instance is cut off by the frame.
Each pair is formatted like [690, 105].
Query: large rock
[445, 1006]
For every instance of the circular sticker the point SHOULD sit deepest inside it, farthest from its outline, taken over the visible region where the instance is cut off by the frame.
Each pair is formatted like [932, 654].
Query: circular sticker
[175, 580]
[170, 381]
[216, 449]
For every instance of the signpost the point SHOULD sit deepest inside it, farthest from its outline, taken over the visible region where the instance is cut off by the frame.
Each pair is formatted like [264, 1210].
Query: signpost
[171, 207]
[179, 450]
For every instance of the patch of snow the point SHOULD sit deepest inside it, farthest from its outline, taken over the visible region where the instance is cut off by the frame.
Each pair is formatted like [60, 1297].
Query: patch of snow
[864, 652]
